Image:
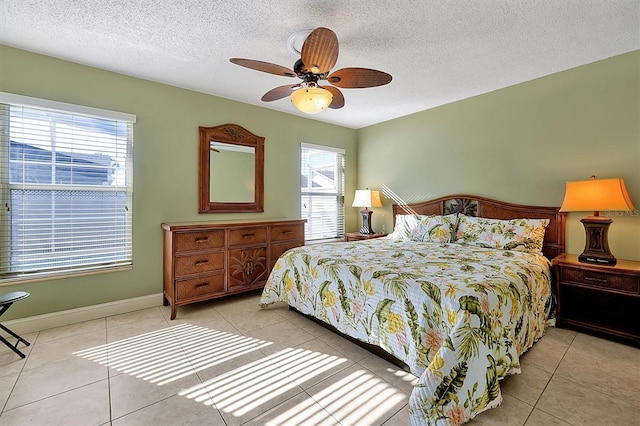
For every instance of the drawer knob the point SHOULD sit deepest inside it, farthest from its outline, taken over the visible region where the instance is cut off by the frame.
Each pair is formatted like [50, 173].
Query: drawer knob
[248, 235]
[287, 232]
[598, 280]
[202, 239]
[202, 285]
[201, 262]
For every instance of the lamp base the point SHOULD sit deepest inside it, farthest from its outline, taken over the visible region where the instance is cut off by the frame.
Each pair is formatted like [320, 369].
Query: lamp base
[596, 247]
[366, 222]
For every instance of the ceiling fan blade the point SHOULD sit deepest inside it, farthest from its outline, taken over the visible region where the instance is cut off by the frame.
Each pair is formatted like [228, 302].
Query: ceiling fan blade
[278, 93]
[320, 50]
[264, 67]
[338, 98]
[358, 78]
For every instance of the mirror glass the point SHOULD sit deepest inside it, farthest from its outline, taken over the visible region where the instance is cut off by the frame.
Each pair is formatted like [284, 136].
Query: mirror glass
[231, 172]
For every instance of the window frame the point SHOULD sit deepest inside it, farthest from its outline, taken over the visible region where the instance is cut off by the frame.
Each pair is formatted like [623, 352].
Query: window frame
[126, 121]
[338, 195]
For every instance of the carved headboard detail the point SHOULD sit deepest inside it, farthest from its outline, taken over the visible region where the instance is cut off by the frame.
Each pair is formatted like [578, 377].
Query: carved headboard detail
[465, 206]
[471, 205]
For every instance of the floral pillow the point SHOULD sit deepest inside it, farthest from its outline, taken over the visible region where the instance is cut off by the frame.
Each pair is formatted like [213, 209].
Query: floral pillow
[514, 234]
[435, 229]
[404, 224]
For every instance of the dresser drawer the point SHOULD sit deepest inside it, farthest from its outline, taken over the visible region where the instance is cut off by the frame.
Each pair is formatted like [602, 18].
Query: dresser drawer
[199, 263]
[287, 232]
[600, 279]
[247, 236]
[203, 240]
[208, 285]
[277, 250]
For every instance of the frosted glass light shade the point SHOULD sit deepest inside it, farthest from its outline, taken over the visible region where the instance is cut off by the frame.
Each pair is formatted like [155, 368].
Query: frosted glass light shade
[311, 100]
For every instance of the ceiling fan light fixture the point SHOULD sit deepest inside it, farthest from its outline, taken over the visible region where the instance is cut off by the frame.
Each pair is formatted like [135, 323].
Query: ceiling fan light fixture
[318, 50]
[311, 100]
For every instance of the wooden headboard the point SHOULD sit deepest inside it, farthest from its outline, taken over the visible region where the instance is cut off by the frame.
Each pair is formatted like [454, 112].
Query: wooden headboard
[470, 205]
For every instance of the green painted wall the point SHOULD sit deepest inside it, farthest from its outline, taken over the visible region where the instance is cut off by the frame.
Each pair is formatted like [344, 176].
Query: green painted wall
[165, 164]
[519, 144]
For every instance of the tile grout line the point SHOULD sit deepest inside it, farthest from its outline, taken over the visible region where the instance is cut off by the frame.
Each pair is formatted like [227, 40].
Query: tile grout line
[53, 395]
[535, 405]
[144, 406]
[106, 339]
[195, 370]
[22, 370]
[13, 387]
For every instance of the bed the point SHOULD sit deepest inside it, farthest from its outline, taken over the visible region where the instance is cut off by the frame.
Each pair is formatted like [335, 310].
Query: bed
[457, 293]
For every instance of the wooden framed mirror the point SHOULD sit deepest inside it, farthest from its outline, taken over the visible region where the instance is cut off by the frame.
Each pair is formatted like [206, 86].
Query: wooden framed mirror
[230, 170]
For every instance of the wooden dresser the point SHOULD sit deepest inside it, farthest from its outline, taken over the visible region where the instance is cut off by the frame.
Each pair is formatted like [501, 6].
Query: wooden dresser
[205, 260]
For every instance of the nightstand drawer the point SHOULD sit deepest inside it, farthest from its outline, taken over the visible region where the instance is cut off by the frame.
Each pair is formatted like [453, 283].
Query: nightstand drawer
[598, 279]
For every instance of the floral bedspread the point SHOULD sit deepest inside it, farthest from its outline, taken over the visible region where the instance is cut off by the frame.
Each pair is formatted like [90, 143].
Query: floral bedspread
[458, 315]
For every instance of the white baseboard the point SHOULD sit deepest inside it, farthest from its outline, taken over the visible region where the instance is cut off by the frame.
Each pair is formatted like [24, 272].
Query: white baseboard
[86, 313]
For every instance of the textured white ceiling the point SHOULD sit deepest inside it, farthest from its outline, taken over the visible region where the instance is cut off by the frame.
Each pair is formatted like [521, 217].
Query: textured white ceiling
[437, 51]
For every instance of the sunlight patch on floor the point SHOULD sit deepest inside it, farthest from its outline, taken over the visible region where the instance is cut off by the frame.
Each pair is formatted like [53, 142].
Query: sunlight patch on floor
[246, 388]
[171, 353]
[308, 412]
[359, 398]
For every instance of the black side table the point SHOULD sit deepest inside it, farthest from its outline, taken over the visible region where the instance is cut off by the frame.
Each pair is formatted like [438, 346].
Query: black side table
[6, 300]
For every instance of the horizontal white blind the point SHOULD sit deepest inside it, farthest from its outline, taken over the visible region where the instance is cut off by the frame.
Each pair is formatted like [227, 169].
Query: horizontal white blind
[66, 187]
[322, 191]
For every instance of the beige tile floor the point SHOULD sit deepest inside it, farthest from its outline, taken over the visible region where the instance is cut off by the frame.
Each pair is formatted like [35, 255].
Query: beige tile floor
[227, 362]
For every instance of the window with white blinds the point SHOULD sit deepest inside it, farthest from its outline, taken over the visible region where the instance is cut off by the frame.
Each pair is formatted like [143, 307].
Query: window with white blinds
[322, 191]
[66, 188]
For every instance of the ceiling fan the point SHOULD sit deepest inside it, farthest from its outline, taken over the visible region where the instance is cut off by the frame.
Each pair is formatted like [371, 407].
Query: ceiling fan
[319, 54]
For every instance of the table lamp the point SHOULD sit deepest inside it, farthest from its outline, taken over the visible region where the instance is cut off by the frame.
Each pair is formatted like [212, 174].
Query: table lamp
[594, 195]
[365, 198]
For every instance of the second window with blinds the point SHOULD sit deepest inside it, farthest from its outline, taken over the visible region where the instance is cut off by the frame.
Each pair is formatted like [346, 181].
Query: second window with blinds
[322, 191]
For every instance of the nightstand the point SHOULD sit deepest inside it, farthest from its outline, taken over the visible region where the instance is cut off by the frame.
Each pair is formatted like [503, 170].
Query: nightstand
[605, 299]
[356, 236]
